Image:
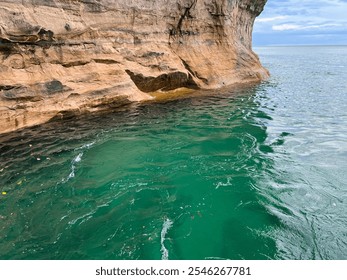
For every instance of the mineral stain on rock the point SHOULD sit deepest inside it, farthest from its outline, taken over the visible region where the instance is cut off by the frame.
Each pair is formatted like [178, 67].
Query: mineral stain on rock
[62, 57]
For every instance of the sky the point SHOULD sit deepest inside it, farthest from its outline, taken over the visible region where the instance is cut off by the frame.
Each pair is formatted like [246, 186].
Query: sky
[302, 22]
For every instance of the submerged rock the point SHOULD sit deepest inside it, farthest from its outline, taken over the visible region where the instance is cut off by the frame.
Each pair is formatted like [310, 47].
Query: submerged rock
[70, 57]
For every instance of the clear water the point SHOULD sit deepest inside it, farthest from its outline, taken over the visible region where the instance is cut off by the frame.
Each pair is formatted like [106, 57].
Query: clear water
[257, 173]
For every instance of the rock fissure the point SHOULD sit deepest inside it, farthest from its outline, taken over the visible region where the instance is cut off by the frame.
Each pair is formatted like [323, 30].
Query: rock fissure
[186, 14]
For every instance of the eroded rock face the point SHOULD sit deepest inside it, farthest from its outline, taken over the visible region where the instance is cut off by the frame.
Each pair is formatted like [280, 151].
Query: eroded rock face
[66, 57]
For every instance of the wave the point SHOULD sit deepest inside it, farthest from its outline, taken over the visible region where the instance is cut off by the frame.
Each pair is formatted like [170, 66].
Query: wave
[86, 146]
[164, 251]
[77, 159]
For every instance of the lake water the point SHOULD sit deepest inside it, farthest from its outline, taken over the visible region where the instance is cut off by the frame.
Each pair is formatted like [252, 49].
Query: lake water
[254, 173]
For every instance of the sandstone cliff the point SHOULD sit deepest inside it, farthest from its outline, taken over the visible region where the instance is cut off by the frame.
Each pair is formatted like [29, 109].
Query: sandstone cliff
[64, 57]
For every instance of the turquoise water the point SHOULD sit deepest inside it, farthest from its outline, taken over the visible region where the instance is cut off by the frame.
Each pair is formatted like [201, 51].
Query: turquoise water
[254, 173]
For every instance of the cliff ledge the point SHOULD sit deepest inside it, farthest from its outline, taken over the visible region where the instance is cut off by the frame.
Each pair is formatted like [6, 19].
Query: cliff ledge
[60, 58]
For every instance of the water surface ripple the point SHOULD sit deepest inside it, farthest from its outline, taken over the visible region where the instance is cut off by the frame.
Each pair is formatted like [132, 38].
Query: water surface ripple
[255, 173]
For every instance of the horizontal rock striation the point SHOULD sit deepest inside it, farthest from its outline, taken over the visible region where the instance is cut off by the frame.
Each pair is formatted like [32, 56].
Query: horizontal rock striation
[59, 58]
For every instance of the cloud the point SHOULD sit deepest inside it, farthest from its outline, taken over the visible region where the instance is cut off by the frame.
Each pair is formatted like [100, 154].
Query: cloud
[269, 19]
[296, 18]
[285, 26]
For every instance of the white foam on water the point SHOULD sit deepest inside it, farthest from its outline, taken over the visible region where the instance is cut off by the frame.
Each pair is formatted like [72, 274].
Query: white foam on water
[86, 146]
[166, 226]
[77, 159]
[215, 258]
[222, 184]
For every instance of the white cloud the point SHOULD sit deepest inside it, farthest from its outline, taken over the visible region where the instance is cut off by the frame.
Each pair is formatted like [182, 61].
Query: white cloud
[268, 19]
[286, 26]
[322, 26]
[282, 27]
[293, 19]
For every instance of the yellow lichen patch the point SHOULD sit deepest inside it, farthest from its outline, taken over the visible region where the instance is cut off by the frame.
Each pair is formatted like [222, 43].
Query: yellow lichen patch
[4, 193]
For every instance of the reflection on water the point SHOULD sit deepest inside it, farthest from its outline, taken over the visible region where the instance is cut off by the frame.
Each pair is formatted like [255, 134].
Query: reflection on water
[257, 173]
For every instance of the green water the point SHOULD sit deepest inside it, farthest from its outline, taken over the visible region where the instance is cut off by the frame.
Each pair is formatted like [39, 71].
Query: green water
[257, 173]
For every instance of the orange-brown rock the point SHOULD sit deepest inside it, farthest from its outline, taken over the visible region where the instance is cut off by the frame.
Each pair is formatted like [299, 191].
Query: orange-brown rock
[64, 57]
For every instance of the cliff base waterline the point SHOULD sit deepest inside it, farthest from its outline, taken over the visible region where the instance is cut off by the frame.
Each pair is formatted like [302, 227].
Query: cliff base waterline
[68, 57]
